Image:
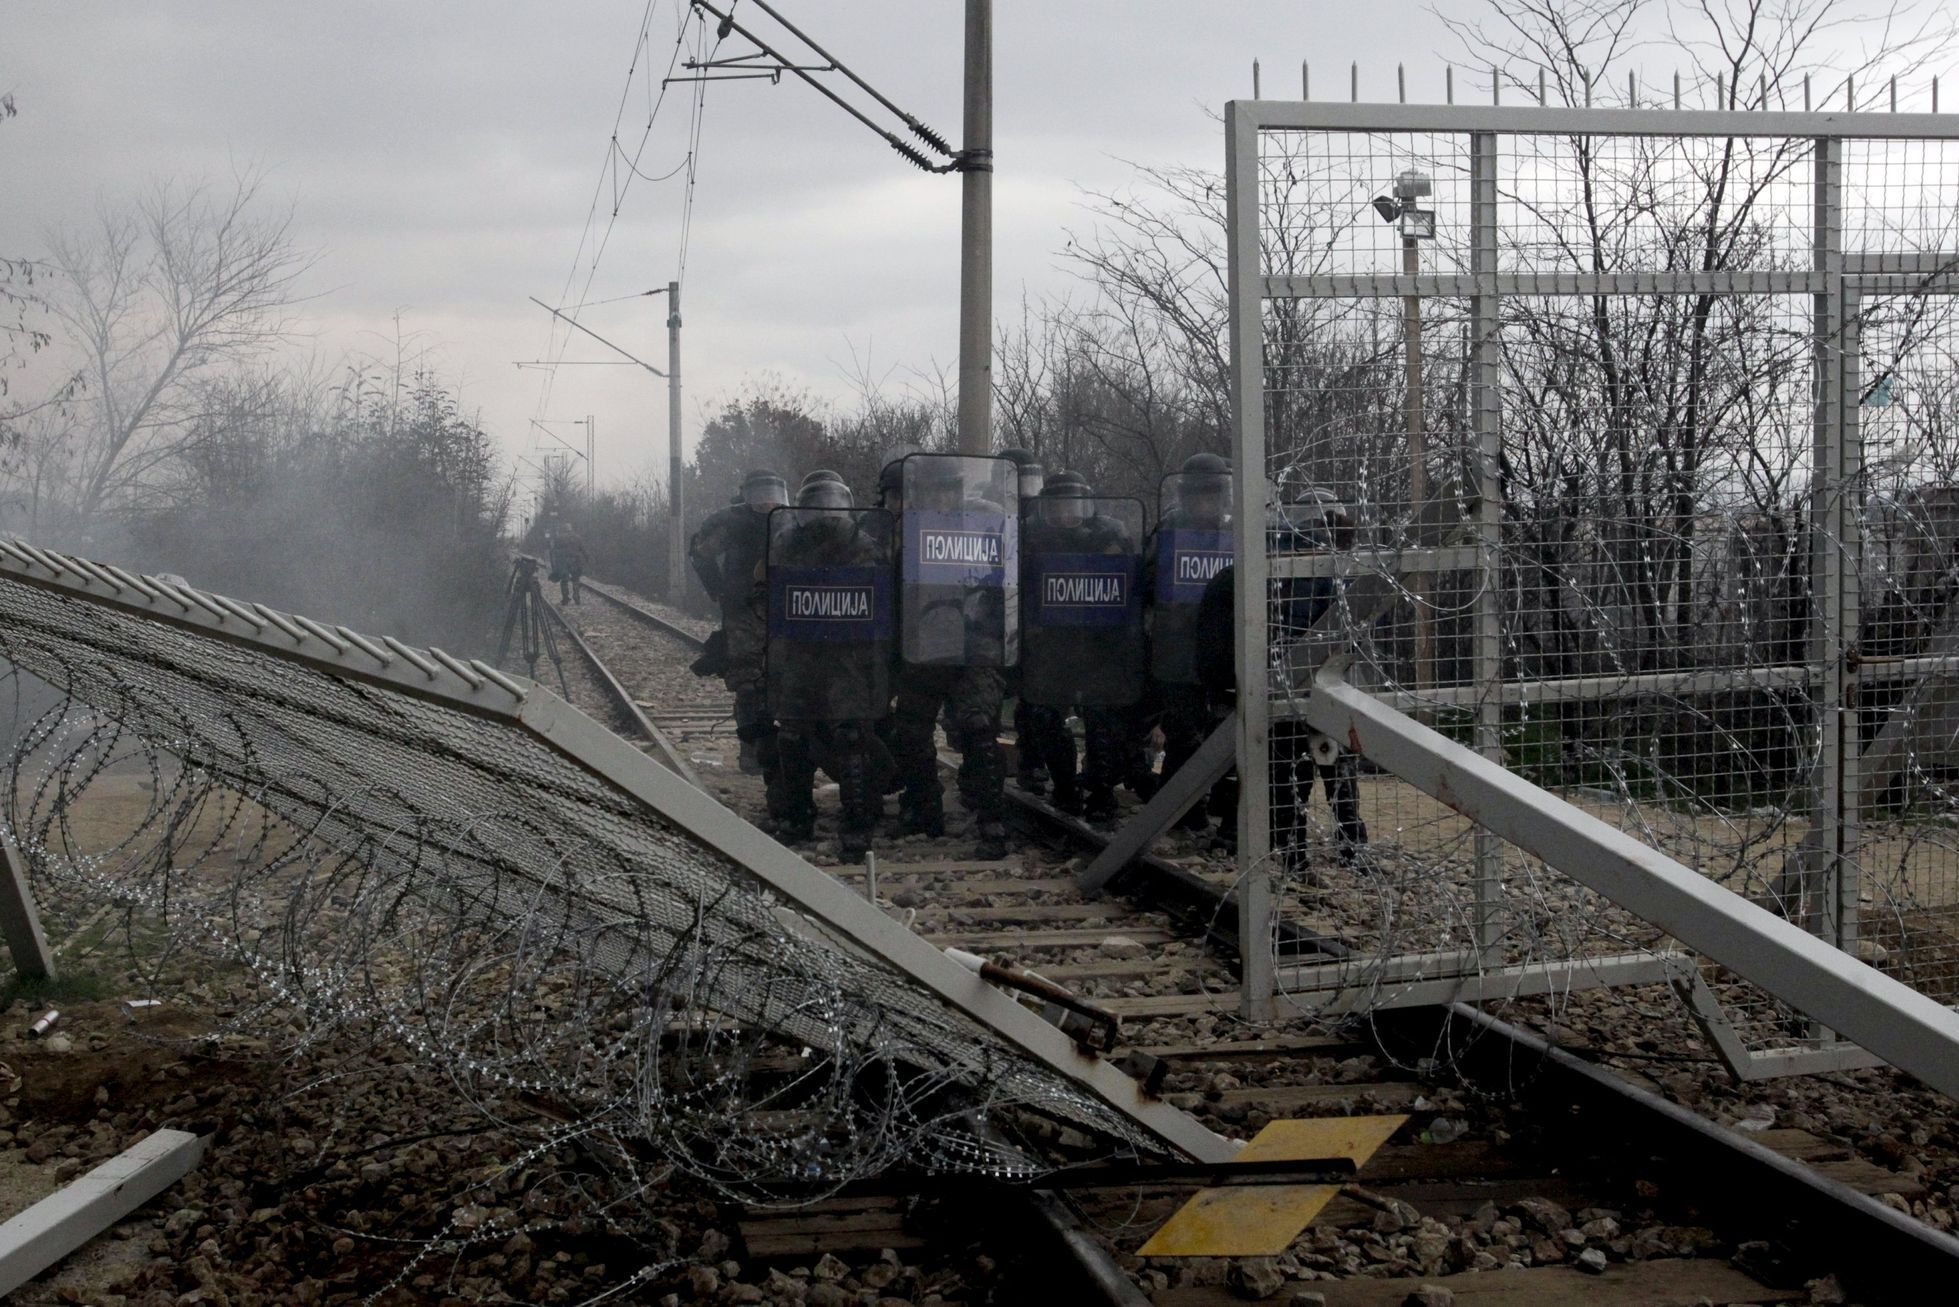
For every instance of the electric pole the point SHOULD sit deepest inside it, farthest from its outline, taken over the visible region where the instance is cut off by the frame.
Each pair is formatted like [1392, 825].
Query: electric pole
[976, 238]
[677, 526]
[676, 514]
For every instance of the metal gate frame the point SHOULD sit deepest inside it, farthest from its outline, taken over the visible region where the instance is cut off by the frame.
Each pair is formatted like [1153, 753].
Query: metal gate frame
[1834, 284]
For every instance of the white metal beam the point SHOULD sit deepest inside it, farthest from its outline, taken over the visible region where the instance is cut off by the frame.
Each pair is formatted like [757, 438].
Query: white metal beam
[1386, 284]
[1560, 120]
[1896, 1022]
[64, 1221]
[1361, 562]
[1179, 790]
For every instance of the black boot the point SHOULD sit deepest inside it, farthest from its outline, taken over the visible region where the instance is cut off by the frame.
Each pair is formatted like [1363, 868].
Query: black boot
[920, 814]
[992, 833]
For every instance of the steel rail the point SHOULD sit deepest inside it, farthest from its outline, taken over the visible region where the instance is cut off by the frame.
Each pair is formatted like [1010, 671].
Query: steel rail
[1778, 1196]
[647, 616]
[628, 707]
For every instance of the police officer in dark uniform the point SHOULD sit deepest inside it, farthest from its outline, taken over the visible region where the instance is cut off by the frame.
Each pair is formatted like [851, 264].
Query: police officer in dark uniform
[1191, 544]
[1030, 763]
[726, 552]
[1082, 646]
[956, 637]
[1314, 521]
[830, 607]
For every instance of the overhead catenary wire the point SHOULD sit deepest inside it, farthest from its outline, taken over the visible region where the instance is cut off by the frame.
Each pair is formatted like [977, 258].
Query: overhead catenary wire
[905, 149]
[615, 153]
[919, 129]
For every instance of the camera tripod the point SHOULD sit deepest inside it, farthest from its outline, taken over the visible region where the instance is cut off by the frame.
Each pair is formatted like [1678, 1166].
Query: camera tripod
[527, 616]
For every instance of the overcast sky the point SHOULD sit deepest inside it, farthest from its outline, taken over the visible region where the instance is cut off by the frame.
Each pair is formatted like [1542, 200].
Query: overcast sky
[443, 160]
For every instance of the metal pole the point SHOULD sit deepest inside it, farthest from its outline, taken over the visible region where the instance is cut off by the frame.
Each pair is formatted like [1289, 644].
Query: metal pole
[1831, 537]
[676, 502]
[1247, 327]
[976, 238]
[1418, 583]
[591, 481]
[20, 922]
[1486, 423]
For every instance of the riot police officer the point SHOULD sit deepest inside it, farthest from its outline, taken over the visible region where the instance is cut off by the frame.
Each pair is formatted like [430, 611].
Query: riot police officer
[830, 637]
[726, 551]
[958, 632]
[1314, 521]
[1030, 765]
[1082, 647]
[1191, 544]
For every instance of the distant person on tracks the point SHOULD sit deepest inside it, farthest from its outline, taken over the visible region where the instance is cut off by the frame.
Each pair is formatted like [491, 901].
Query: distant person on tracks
[568, 559]
[726, 553]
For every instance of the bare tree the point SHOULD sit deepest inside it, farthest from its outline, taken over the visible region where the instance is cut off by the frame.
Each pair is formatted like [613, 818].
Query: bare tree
[155, 294]
[1659, 418]
[23, 310]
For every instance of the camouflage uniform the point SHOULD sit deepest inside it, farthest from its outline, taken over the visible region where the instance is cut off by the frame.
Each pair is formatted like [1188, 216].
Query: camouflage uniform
[971, 697]
[835, 703]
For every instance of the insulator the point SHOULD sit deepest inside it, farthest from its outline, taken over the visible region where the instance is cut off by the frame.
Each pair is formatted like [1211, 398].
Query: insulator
[910, 153]
[927, 135]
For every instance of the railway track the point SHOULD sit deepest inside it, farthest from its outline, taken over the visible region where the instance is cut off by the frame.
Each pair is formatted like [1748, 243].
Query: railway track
[1523, 1174]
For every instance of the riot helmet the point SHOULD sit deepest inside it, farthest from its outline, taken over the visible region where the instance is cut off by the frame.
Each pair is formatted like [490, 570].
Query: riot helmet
[940, 485]
[1029, 468]
[1063, 500]
[824, 489]
[763, 489]
[891, 485]
[1312, 517]
[1204, 488]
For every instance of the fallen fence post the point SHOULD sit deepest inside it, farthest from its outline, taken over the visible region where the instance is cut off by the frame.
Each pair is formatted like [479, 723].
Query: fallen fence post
[65, 1220]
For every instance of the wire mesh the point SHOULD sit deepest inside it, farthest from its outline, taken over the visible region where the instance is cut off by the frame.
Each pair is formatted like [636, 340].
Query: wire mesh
[517, 920]
[1608, 525]
[1901, 901]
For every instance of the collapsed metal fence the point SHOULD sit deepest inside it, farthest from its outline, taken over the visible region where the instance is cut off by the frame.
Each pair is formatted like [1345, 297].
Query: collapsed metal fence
[392, 836]
[1644, 424]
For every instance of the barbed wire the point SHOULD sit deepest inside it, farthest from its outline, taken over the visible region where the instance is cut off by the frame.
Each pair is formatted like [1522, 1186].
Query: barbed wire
[386, 865]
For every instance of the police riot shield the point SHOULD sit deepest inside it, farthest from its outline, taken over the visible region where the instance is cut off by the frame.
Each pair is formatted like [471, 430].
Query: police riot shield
[1081, 639]
[1192, 544]
[832, 616]
[960, 601]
